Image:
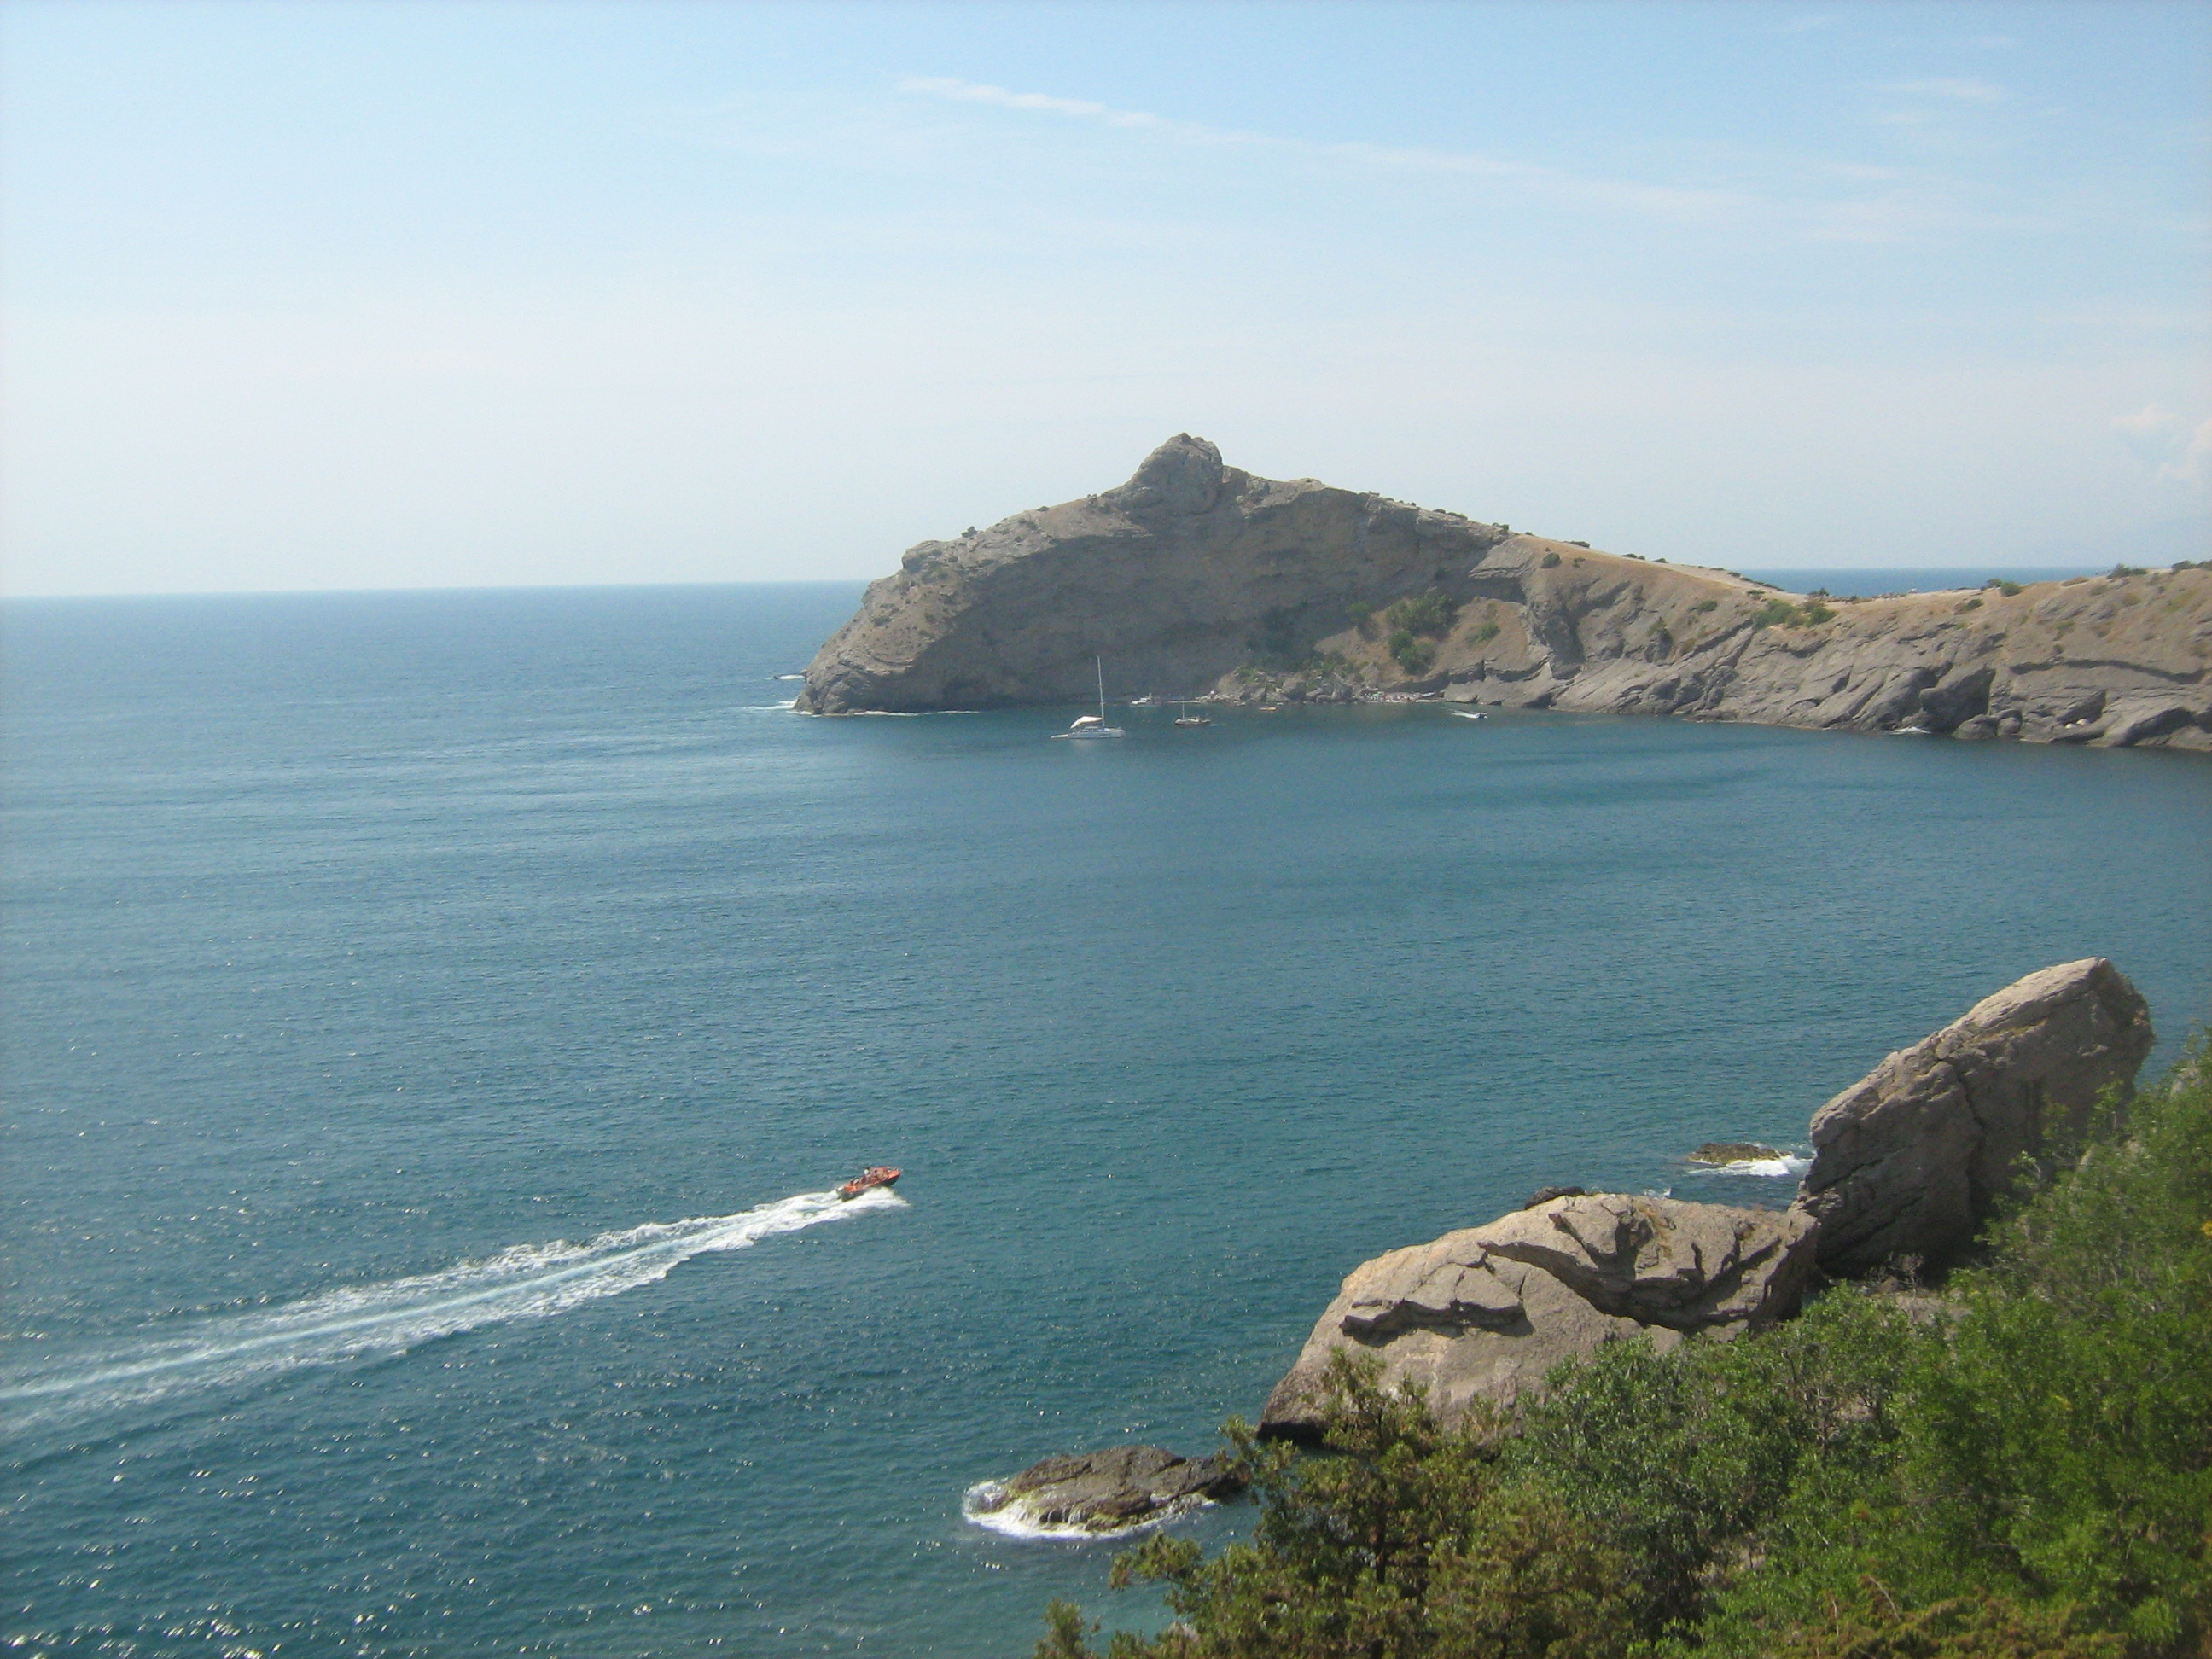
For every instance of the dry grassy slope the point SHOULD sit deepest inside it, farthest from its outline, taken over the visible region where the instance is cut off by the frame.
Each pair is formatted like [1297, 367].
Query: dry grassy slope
[1194, 578]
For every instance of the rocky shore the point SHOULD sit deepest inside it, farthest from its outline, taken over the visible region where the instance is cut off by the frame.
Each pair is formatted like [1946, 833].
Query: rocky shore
[1909, 1163]
[1198, 579]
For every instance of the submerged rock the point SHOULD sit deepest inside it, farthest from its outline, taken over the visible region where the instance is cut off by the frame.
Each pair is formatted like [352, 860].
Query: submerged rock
[1909, 1161]
[1483, 1314]
[1198, 579]
[1102, 1492]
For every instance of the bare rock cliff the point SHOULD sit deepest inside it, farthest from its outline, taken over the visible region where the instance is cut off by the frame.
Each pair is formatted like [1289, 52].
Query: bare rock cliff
[1195, 579]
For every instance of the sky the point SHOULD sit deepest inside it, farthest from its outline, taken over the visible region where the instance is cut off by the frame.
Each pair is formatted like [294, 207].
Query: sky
[393, 293]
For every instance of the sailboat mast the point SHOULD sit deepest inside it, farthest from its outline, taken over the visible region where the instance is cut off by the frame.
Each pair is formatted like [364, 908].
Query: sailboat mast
[1099, 663]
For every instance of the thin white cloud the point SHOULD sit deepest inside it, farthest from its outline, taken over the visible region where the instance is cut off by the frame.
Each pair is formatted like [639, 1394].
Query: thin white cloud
[969, 92]
[2176, 451]
[1657, 200]
[1960, 88]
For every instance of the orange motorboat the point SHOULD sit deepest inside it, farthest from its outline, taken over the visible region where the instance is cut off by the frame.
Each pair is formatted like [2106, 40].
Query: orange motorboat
[881, 1174]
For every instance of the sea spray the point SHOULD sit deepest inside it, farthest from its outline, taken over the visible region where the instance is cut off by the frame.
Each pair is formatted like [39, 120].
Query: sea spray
[525, 1281]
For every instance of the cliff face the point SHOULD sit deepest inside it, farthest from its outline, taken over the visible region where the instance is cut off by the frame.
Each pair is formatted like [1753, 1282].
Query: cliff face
[1195, 579]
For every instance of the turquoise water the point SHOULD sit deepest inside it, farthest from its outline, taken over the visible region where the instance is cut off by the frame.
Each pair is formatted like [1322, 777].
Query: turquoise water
[431, 1011]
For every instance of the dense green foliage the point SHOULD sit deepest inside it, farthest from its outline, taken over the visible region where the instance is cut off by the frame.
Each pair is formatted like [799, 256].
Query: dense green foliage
[1412, 624]
[2018, 1467]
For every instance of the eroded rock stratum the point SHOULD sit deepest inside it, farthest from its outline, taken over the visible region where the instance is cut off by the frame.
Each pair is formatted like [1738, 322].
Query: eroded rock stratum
[1195, 579]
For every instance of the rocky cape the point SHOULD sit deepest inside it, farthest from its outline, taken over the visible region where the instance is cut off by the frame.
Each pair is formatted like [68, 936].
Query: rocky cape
[1199, 580]
[1908, 1164]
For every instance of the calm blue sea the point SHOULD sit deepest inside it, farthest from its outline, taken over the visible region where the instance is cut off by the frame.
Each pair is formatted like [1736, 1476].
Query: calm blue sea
[435, 1017]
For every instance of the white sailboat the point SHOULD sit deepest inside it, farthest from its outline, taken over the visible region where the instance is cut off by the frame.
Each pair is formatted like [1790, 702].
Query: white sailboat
[1092, 726]
[1188, 718]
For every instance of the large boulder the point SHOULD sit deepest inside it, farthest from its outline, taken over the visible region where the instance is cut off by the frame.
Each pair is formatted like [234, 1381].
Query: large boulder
[1102, 1491]
[1482, 1314]
[1909, 1160]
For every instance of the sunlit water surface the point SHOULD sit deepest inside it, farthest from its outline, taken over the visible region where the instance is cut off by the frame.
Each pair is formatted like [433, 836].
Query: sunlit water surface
[437, 1018]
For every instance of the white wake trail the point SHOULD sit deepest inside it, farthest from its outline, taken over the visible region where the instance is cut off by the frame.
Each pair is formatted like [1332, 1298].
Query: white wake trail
[528, 1281]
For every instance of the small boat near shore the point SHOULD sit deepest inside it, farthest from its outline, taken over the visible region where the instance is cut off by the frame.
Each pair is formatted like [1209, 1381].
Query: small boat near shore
[878, 1175]
[1092, 726]
[1188, 718]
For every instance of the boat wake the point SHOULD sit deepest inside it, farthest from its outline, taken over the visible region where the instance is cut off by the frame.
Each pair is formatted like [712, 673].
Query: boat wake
[527, 1281]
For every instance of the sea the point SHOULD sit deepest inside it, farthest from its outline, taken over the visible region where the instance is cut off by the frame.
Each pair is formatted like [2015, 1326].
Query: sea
[436, 1022]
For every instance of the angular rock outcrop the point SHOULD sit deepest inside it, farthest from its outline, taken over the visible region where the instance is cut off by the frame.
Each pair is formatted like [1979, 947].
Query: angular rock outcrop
[1483, 1314]
[1908, 1161]
[1102, 1492]
[1195, 578]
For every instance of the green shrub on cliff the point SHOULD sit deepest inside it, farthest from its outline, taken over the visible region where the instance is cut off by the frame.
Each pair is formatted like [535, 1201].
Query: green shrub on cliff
[1431, 615]
[1780, 613]
[1401, 1540]
[2019, 1469]
[2054, 1441]
[1415, 656]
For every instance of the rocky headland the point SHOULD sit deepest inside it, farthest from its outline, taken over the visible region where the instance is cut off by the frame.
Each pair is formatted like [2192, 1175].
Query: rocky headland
[1908, 1164]
[1199, 580]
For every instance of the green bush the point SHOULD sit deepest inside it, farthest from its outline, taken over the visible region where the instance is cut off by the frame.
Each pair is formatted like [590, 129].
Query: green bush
[1780, 613]
[1549, 561]
[2010, 590]
[1432, 615]
[1415, 656]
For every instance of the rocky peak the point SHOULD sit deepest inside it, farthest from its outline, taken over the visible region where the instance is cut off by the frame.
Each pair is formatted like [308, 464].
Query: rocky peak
[1181, 477]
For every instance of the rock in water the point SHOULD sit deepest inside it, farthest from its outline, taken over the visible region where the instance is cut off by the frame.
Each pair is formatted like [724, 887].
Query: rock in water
[1103, 1492]
[1724, 1153]
[1482, 1314]
[1908, 1161]
[1195, 578]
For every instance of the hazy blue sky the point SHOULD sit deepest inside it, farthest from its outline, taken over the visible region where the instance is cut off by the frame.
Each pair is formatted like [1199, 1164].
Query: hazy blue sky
[372, 294]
